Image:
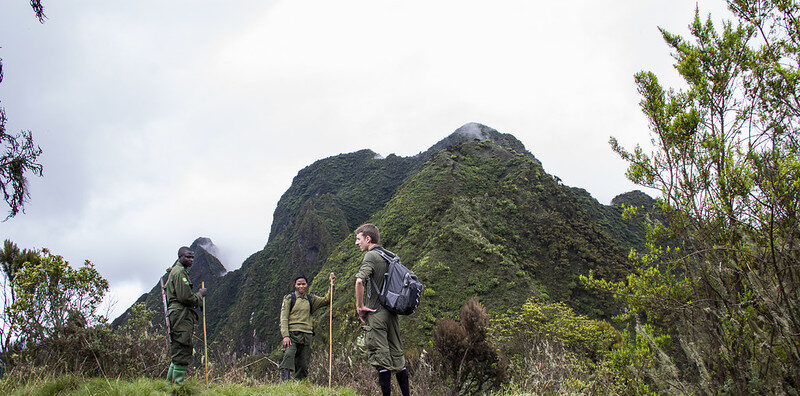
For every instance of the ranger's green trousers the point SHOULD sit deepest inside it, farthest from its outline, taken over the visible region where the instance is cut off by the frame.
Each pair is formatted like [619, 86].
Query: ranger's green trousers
[297, 355]
[384, 347]
[180, 343]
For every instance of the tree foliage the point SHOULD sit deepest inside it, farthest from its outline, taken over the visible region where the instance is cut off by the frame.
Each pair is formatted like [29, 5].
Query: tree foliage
[517, 328]
[19, 152]
[44, 296]
[18, 158]
[12, 261]
[50, 325]
[720, 268]
[38, 10]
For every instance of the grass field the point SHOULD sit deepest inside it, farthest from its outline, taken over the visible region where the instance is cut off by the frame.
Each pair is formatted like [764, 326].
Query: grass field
[98, 386]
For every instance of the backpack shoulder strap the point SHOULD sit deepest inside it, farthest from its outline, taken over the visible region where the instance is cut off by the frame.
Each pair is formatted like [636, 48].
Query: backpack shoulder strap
[310, 297]
[294, 299]
[387, 255]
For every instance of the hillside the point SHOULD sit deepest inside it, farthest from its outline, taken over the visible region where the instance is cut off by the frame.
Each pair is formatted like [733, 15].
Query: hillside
[473, 215]
[482, 219]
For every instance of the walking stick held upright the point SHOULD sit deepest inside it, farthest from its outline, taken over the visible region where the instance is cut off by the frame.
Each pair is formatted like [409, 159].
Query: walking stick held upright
[330, 337]
[205, 342]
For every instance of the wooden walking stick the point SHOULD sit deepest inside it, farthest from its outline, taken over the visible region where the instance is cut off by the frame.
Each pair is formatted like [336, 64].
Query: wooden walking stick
[205, 342]
[330, 338]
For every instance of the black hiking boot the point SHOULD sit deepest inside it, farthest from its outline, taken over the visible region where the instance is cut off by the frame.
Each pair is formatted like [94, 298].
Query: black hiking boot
[284, 375]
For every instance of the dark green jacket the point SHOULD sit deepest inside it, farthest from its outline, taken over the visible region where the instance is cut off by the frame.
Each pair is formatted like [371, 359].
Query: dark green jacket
[179, 290]
[372, 272]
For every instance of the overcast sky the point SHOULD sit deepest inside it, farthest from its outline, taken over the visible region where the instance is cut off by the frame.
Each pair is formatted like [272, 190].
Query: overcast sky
[165, 121]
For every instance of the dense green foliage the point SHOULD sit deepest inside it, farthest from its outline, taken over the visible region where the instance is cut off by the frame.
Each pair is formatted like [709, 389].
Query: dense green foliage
[43, 298]
[555, 351]
[517, 328]
[719, 273]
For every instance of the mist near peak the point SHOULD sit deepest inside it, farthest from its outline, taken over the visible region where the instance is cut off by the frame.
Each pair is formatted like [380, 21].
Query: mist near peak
[475, 130]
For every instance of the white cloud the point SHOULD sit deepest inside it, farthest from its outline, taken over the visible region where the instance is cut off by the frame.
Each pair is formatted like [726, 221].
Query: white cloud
[163, 122]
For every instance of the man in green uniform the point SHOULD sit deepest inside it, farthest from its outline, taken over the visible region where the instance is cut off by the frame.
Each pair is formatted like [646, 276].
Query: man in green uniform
[382, 340]
[297, 329]
[181, 303]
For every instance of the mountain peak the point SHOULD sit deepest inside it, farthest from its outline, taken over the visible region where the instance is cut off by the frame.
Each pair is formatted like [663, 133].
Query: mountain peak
[206, 262]
[633, 198]
[206, 244]
[477, 131]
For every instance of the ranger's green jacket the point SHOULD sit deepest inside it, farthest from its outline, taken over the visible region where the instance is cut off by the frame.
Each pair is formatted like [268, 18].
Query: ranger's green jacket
[299, 319]
[179, 290]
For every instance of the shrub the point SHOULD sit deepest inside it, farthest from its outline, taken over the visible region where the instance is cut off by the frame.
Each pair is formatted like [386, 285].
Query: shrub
[517, 328]
[553, 350]
[472, 362]
[132, 351]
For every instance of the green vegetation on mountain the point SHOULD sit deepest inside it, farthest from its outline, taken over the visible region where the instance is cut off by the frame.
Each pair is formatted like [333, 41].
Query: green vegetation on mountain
[318, 210]
[479, 219]
[331, 197]
[474, 215]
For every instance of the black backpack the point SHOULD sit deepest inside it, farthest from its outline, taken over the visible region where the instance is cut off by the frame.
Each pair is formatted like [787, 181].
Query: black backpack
[401, 288]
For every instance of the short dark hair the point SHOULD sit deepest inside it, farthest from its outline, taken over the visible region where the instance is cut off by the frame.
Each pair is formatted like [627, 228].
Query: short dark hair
[370, 230]
[299, 276]
[183, 250]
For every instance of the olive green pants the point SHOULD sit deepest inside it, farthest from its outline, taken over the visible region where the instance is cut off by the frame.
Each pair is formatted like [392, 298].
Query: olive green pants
[180, 337]
[384, 347]
[297, 355]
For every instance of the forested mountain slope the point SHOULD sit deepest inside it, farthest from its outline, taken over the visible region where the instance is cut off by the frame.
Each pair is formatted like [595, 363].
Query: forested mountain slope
[475, 214]
[482, 219]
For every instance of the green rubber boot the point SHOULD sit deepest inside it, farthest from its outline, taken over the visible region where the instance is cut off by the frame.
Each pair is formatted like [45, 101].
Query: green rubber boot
[170, 371]
[178, 374]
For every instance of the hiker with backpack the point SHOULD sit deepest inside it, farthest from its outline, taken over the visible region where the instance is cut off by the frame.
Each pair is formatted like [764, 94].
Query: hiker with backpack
[297, 328]
[391, 290]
